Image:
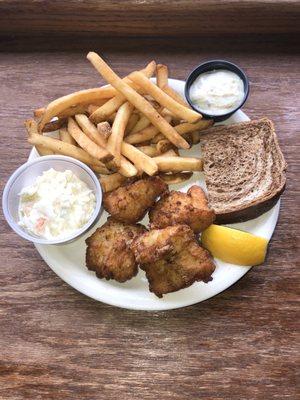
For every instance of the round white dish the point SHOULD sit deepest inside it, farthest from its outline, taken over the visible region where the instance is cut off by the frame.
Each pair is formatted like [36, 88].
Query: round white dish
[27, 174]
[68, 261]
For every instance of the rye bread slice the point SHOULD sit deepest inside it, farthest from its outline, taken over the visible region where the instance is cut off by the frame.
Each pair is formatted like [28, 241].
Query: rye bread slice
[244, 169]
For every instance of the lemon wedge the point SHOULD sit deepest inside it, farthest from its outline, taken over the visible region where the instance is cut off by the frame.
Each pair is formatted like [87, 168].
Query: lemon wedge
[234, 246]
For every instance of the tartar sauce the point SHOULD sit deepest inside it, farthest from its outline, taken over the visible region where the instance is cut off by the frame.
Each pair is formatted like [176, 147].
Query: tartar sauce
[56, 205]
[217, 92]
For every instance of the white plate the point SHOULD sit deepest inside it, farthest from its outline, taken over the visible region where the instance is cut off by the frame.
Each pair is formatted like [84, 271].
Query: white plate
[68, 261]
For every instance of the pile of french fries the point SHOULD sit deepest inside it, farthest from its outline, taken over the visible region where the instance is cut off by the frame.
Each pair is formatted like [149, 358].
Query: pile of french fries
[125, 129]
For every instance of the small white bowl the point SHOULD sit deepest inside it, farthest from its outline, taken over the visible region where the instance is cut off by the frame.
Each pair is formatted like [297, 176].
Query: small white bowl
[27, 174]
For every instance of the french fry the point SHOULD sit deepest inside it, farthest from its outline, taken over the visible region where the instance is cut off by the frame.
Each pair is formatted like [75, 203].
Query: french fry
[188, 138]
[175, 96]
[97, 102]
[140, 160]
[145, 143]
[66, 137]
[158, 138]
[196, 137]
[54, 125]
[164, 145]
[162, 82]
[134, 117]
[92, 108]
[38, 112]
[167, 113]
[174, 120]
[111, 182]
[172, 179]
[99, 169]
[86, 143]
[32, 129]
[60, 147]
[142, 123]
[169, 153]
[178, 164]
[80, 108]
[137, 100]
[104, 130]
[112, 117]
[186, 127]
[69, 112]
[83, 108]
[151, 151]
[61, 104]
[118, 130]
[162, 98]
[90, 130]
[127, 168]
[44, 151]
[102, 113]
[161, 75]
[146, 134]
[154, 103]
[111, 166]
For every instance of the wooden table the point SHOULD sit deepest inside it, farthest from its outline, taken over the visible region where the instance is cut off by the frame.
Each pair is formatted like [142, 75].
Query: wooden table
[59, 344]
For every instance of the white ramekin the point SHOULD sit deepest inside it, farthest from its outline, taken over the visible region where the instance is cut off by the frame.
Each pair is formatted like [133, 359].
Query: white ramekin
[27, 174]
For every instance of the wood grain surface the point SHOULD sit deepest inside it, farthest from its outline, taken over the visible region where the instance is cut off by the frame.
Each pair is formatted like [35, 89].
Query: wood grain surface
[149, 17]
[240, 345]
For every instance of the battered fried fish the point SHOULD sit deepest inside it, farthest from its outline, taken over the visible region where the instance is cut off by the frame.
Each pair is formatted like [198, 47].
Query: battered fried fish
[182, 208]
[172, 259]
[130, 203]
[108, 250]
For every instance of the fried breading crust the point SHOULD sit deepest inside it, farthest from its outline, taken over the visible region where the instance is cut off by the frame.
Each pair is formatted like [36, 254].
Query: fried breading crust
[182, 208]
[172, 259]
[130, 203]
[108, 250]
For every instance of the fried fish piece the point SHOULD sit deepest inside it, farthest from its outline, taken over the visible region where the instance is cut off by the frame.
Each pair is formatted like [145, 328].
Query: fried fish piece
[130, 203]
[182, 208]
[172, 259]
[108, 250]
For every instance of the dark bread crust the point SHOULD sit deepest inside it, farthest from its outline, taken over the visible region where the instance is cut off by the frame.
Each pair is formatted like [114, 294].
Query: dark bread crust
[248, 213]
[244, 169]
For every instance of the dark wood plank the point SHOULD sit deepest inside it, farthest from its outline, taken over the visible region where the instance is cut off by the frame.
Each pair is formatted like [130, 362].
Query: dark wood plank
[56, 343]
[226, 43]
[154, 18]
